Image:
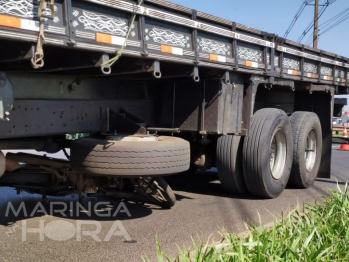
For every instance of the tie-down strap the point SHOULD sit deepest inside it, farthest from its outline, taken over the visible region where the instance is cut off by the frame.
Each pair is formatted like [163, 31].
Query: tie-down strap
[38, 57]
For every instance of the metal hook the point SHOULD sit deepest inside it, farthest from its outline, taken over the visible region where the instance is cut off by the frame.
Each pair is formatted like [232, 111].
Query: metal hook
[106, 69]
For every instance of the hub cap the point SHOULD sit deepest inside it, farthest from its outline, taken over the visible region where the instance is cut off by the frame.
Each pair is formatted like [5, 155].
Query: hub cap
[278, 149]
[310, 151]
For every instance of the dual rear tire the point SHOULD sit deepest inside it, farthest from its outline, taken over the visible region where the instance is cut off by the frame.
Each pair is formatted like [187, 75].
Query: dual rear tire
[307, 149]
[277, 151]
[229, 164]
[268, 153]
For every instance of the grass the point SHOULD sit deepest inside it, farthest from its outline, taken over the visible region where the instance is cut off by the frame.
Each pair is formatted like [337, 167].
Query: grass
[334, 134]
[317, 233]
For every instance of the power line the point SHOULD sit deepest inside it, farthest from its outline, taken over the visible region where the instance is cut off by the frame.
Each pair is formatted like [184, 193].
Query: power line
[310, 39]
[310, 26]
[334, 25]
[330, 24]
[300, 11]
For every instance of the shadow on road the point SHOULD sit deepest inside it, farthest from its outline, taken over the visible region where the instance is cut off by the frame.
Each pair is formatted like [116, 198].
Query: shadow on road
[101, 208]
[203, 183]
[330, 181]
[93, 208]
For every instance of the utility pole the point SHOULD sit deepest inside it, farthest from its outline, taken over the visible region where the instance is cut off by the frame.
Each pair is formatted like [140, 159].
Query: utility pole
[316, 24]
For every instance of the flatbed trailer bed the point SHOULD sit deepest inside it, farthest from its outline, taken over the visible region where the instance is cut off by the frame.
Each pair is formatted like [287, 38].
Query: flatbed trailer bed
[166, 32]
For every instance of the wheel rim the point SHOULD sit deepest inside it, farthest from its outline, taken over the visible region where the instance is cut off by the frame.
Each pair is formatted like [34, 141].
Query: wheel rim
[310, 151]
[278, 152]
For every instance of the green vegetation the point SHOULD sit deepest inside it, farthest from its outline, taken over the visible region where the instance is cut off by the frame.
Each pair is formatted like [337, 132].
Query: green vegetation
[75, 136]
[337, 134]
[318, 233]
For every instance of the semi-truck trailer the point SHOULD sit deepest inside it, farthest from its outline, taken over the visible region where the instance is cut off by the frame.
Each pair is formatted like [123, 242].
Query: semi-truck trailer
[138, 90]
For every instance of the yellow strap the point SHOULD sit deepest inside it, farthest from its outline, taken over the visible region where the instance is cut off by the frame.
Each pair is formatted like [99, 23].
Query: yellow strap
[113, 60]
[52, 7]
[38, 58]
[43, 5]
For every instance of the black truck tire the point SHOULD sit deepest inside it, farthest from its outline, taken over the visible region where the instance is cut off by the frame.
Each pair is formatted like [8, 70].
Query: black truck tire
[164, 195]
[229, 164]
[307, 148]
[268, 153]
[168, 155]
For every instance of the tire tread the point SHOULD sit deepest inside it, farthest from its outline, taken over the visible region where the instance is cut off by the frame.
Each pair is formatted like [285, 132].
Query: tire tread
[229, 164]
[299, 122]
[253, 161]
[169, 155]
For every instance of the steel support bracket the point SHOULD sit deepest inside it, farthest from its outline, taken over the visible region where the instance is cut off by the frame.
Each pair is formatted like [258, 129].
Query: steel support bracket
[321, 88]
[285, 83]
[106, 69]
[6, 97]
[195, 74]
[250, 95]
[113, 123]
[30, 53]
[248, 104]
[226, 77]
[332, 90]
[155, 68]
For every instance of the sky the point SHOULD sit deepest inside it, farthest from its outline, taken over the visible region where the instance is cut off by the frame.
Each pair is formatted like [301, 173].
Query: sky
[275, 16]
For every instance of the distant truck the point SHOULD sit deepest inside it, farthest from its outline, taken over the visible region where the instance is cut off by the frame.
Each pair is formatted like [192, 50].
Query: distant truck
[151, 89]
[339, 104]
[339, 117]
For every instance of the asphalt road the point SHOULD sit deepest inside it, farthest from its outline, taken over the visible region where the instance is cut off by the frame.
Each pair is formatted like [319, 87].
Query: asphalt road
[202, 209]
